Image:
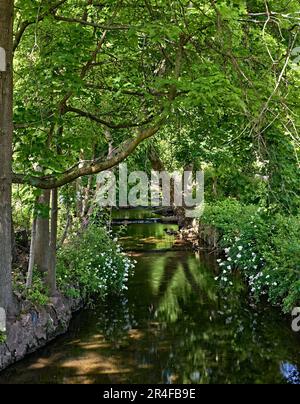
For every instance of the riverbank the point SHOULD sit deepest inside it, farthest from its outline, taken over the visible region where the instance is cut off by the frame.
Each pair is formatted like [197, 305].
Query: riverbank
[39, 324]
[173, 306]
[200, 236]
[35, 327]
[261, 245]
[90, 265]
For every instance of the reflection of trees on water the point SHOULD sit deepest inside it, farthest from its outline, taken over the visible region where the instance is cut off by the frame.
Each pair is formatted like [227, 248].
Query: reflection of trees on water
[148, 237]
[174, 326]
[115, 319]
[195, 334]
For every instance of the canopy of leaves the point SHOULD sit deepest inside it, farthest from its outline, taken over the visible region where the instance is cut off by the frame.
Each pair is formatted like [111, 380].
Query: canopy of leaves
[91, 74]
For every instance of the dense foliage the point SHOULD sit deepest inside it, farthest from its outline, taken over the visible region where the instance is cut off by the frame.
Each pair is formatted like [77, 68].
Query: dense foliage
[93, 265]
[264, 247]
[203, 83]
[219, 73]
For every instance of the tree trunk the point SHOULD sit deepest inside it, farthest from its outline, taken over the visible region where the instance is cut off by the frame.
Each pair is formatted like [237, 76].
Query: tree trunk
[6, 132]
[51, 281]
[78, 190]
[87, 202]
[31, 255]
[215, 186]
[13, 243]
[43, 234]
[68, 226]
[158, 165]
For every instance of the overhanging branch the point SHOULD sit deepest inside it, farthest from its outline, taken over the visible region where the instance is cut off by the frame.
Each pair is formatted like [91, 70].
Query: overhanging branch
[92, 167]
[25, 24]
[111, 125]
[91, 24]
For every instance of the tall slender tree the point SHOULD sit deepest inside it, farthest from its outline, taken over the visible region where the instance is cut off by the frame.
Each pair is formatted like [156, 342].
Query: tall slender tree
[6, 132]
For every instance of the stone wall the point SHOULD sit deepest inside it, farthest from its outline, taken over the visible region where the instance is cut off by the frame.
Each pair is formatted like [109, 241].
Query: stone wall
[35, 327]
[201, 236]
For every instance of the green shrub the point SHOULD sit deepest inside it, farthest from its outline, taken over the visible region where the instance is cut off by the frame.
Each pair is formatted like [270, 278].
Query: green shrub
[228, 216]
[93, 264]
[2, 337]
[263, 246]
[37, 294]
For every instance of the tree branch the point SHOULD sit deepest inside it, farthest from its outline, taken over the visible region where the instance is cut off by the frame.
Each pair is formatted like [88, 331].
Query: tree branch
[88, 115]
[26, 24]
[91, 24]
[136, 93]
[91, 167]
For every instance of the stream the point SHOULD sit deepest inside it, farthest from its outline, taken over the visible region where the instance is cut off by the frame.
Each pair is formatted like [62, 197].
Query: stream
[173, 325]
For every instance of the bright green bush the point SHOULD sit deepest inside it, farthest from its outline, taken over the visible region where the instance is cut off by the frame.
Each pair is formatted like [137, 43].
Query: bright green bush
[2, 337]
[38, 294]
[228, 215]
[263, 246]
[93, 264]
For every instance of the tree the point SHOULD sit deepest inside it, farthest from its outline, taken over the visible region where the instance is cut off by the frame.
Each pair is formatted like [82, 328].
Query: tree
[208, 79]
[129, 62]
[6, 132]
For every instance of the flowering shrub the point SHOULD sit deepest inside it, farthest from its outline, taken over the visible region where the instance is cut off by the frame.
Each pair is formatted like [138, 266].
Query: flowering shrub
[93, 264]
[264, 247]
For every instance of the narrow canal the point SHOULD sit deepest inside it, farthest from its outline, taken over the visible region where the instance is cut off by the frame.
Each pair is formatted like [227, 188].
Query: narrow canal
[173, 325]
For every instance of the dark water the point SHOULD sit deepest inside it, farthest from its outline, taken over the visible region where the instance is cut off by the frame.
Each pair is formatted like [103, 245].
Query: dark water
[173, 326]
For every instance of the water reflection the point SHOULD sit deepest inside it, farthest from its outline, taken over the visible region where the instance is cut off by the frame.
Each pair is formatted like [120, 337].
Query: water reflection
[149, 237]
[173, 326]
[290, 373]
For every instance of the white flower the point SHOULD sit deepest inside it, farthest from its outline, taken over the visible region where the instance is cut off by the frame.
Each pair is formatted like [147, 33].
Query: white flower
[239, 256]
[240, 247]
